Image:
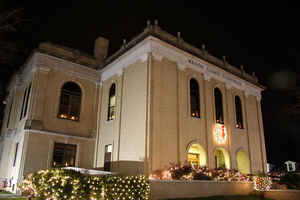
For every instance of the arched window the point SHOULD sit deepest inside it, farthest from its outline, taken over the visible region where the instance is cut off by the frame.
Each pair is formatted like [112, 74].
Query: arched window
[111, 112]
[238, 112]
[194, 98]
[70, 100]
[219, 106]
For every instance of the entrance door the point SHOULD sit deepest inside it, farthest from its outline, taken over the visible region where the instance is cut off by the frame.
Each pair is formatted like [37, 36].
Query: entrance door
[220, 159]
[107, 157]
[196, 155]
[194, 159]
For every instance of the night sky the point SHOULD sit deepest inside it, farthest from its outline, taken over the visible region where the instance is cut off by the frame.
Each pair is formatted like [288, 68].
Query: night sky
[262, 37]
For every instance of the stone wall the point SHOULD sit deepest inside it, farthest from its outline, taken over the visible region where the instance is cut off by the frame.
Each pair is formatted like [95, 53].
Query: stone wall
[190, 189]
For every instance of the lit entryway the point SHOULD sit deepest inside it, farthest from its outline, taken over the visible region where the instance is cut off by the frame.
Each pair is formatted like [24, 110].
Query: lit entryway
[222, 159]
[196, 155]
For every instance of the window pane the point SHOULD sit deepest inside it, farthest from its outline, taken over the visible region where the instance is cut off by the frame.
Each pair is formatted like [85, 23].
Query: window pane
[218, 106]
[238, 112]
[64, 155]
[70, 101]
[194, 98]
[27, 98]
[111, 103]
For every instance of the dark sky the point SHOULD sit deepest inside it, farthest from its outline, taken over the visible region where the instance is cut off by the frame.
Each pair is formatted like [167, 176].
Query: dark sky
[263, 37]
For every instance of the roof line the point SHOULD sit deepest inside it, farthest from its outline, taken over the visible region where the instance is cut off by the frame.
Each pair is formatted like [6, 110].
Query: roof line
[178, 42]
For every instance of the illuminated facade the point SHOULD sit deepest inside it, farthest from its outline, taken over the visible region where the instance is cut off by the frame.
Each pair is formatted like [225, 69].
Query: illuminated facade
[158, 100]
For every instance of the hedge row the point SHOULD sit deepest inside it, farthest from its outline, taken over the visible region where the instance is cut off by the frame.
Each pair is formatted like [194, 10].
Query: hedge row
[57, 184]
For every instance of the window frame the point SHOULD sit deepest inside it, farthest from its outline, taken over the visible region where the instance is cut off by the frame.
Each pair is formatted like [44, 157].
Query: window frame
[215, 106]
[59, 112]
[65, 146]
[16, 154]
[242, 126]
[196, 97]
[111, 110]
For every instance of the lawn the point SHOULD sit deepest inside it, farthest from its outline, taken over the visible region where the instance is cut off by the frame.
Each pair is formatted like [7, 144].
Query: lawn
[226, 198]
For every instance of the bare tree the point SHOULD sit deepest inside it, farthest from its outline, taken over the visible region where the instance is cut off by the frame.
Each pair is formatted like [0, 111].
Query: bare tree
[10, 19]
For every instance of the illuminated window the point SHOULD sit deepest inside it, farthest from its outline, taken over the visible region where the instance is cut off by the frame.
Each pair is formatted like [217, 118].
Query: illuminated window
[107, 157]
[219, 106]
[70, 101]
[64, 155]
[111, 112]
[194, 98]
[238, 112]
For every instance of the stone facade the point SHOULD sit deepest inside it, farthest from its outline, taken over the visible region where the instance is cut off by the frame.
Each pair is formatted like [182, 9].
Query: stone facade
[152, 124]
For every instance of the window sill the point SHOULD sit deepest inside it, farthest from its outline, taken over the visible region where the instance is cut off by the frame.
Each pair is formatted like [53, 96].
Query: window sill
[109, 121]
[68, 119]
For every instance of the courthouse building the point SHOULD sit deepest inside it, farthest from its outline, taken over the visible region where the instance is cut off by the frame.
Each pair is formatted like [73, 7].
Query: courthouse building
[158, 100]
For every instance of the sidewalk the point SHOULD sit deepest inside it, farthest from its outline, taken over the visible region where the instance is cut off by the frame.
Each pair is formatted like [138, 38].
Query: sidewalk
[12, 196]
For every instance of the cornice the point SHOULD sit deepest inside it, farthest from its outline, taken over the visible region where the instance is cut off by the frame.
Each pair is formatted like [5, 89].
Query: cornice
[139, 52]
[160, 49]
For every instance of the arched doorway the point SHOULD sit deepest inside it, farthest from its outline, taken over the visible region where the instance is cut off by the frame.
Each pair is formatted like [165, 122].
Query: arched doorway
[196, 155]
[243, 162]
[222, 159]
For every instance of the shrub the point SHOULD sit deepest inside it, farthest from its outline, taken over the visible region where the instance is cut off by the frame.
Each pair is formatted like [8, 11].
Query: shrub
[181, 172]
[292, 180]
[262, 182]
[201, 176]
[57, 184]
[129, 187]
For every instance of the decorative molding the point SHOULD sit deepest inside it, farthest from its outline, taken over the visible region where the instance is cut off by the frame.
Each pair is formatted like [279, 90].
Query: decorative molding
[144, 57]
[57, 134]
[157, 56]
[181, 67]
[133, 55]
[228, 86]
[184, 60]
[207, 77]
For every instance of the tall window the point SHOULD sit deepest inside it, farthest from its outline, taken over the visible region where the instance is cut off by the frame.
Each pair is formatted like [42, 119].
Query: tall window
[25, 102]
[16, 154]
[111, 112]
[219, 106]
[194, 98]
[9, 112]
[107, 157]
[70, 101]
[64, 155]
[238, 112]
